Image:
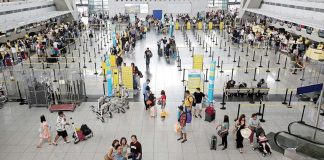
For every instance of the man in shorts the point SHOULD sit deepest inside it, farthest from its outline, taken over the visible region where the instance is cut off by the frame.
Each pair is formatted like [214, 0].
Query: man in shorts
[198, 97]
[183, 122]
[60, 128]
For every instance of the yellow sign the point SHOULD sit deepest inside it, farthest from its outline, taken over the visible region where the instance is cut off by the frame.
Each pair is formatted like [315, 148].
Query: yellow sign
[177, 26]
[199, 25]
[115, 77]
[194, 80]
[112, 61]
[210, 25]
[198, 62]
[127, 77]
[221, 25]
[188, 26]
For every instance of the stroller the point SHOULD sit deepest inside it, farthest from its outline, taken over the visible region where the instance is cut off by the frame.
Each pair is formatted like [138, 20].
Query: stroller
[81, 134]
[258, 132]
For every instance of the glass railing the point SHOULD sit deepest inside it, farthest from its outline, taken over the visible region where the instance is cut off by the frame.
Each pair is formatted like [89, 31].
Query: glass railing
[311, 133]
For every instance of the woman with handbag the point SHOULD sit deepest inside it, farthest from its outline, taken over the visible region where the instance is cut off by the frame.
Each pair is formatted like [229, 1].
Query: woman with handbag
[223, 132]
[240, 124]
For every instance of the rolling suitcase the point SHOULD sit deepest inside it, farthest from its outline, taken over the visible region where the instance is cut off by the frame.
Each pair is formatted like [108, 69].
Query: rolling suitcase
[213, 142]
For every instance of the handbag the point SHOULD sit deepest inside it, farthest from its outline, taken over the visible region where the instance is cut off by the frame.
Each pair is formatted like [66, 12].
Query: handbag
[221, 133]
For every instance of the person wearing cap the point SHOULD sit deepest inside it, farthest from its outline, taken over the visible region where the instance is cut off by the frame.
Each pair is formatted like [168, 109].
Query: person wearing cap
[148, 55]
[182, 121]
[198, 105]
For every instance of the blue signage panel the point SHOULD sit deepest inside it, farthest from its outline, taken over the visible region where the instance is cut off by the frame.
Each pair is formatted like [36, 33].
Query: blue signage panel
[311, 88]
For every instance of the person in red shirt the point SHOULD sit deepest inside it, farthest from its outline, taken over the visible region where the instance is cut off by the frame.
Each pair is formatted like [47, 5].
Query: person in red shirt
[183, 120]
[162, 100]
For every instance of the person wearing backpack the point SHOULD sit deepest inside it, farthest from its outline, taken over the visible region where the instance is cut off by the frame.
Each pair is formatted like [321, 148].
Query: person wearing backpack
[148, 55]
[182, 121]
[188, 101]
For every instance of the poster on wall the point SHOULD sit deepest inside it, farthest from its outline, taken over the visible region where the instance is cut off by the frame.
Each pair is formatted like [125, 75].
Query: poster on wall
[194, 80]
[136, 8]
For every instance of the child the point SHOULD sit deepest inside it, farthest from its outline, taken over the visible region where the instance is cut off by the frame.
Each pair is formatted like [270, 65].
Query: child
[44, 132]
[264, 141]
[162, 100]
[60, 128]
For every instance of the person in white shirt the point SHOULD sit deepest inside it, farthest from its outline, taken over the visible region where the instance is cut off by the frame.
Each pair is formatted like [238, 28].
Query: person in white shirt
[251, 38]
[60, 128]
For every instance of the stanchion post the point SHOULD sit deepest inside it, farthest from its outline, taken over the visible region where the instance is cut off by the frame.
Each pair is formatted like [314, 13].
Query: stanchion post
[183, 75]
[66, 64]
[278, 62]
[238, 62]
[278, 75]
[290, 96]
[285, 99]
[213, 55]
[206, 79]
[104, 75]
[96, 72]
[221, 71]
[243, 50]
[220, 44]
[266, 54]
[285, 65]
[218, 65]
[229, 51]
[224, 45]
[262, 119]
[232, 73]
[84, 63]
[302, 78]
[268, 66]
[238, 111]
[246, 68]
[90, 61]
[180, 66]
[302, 116]
[216, 41]
[253, 58]
[260, 106]
[210, 53]
[252, 98]
[55, 80]
[193, 51]
[223, 101]
[260, 62]
[234, 60]
[254, 76]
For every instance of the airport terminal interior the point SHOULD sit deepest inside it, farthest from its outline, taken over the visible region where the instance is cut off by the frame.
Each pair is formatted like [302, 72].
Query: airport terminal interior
[161, 79]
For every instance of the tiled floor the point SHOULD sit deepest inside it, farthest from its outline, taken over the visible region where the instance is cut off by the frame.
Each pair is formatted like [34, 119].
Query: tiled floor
[19, 125]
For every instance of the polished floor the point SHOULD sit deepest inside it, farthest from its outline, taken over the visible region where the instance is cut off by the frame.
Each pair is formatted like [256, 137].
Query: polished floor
[19, 134]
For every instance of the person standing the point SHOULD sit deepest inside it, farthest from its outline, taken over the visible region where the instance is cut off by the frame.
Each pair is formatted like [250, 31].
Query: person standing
[162, 100]
[148, 55]
[144, 91]
[224, 131]
[136, 148]
[254, 123]
[188, 101]
[60, 128]
[198, 97]
[44, 132]
[240, 124]
[125, 146]
[182, 121]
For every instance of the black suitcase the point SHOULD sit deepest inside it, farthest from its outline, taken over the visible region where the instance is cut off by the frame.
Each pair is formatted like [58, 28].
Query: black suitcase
[213, 142]
[209, 118]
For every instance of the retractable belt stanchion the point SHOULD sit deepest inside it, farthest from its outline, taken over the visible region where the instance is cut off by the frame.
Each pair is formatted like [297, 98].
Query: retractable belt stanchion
[268, 66]
[225, 46]
[183, 75]
[234, 60]
[254, 77]
[66, 64]
[252, 96]
[246, 68]
[260, 106]
[229, 51]
[232, 73]
[223, 101]
[243, 50]
[278, 62]
[290, 96]
[55, 80]
[180, 66]
[218, 65]
[206, 80]
[285, 65]
[220, 44]
[302, 78]
[262, 119]
[193, 51]
[216, 41]
[84, 63]
[253, 58]
[221, 70]
[238, 62]
[260, 62]
[96, 72]
[266, 54]
[302, 116]
[238, 111]
[213, 55]
[90, 61]
[285, 99]
[278, 75]
[210, 52]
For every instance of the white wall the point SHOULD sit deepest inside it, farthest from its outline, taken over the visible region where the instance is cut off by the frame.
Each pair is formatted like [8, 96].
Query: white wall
[196, 6]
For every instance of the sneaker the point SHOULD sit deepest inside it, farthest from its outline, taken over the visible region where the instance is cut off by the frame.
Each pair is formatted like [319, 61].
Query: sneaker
[196, 116]
[200, 116]
[55, 144]
[224, 148]
[179, 139]
[184, 141]
[68, 141]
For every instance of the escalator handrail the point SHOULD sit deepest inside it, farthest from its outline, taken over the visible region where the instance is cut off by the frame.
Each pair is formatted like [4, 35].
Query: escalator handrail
[304, 125]
[307, 140]
[319, 129]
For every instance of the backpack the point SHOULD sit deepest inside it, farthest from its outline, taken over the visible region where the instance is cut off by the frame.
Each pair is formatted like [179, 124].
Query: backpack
[85, 129]
[188, 117]
[194, 100]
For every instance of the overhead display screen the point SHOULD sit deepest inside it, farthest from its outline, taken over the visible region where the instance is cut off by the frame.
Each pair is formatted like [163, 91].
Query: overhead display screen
[136, 8]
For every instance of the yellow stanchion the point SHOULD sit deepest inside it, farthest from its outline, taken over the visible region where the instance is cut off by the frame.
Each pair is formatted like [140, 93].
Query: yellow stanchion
[210, 25]
[188, 26]
[177, 26]
[113, 61]
[115, 77]
[221, 25]
[199, 25]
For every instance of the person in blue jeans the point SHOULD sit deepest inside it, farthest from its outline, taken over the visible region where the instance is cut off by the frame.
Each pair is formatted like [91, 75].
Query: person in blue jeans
[136, 149]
